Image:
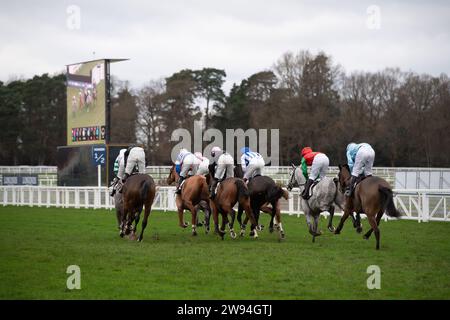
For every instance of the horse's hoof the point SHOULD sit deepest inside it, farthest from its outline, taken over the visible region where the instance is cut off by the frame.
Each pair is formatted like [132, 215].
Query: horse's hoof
[233, 235]
[194, 233]
[337, 232]
[271, 230]
[282, 236]
[139, 239]
[242, 233]
[365, 237]
[314, 239]
[331, 228]
[121, 234]
[359, 229]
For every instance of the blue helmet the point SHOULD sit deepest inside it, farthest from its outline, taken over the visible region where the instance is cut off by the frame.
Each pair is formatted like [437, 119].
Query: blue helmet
[245, 150]
[351, 146]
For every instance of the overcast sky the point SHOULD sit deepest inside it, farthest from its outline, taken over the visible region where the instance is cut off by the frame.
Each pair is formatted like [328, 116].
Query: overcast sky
[242, 37]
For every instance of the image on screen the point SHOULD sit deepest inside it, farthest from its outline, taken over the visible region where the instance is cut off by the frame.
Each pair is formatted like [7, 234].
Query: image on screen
[86, 103]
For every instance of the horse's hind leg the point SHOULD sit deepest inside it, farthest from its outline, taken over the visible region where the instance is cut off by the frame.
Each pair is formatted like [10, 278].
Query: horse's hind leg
[231, 224]
[180, 218]
[147, 211]
[316, 226]
[194, 218]
[373, 224]
[369, 233]
[239, 219]
[330, 220]
[224, 222]
[272, 216]
[278, 219]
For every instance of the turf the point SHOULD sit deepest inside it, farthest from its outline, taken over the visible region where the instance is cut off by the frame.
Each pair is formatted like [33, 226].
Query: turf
[38, 244]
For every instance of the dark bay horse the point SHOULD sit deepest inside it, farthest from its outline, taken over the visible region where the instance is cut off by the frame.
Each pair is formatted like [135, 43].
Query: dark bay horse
[194, 192]
[372, 196]
[229, 192]
[138, 192]
[264, 192]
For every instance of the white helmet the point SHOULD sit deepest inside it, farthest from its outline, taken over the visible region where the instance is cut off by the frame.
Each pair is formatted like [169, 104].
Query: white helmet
[215, 150]
[199, 155]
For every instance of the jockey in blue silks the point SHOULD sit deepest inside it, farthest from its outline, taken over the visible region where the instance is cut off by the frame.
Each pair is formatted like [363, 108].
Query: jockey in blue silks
[360, 158]
[186, 162]
[252, 163]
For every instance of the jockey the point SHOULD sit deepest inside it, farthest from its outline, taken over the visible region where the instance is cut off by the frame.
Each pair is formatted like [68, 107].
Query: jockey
[119, 168]
[134, 156]
[360, 158]
[251, 163]
[319, 163]
[203, 169]
[186, 163]
[222, 167]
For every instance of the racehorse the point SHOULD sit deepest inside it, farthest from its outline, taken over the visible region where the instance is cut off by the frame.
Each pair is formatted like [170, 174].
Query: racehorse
[138, 192]
[325, 196]
[372, 196]
[118, 204]
[229, 192]
[194, 192]
[263, 191]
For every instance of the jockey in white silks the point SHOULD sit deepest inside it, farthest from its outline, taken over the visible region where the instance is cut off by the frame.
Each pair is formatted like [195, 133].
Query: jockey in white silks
[203, 166]
[134, 157]
[119, 168]
[185, 164]
[222, 166]
[360, 158]
[252, 163]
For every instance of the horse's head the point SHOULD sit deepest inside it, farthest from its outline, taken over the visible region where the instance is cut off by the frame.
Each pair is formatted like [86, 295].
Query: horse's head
[173, 175]
[292, 180]
[344, 176]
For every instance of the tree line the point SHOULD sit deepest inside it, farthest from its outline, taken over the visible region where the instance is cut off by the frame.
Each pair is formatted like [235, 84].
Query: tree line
[405, 116]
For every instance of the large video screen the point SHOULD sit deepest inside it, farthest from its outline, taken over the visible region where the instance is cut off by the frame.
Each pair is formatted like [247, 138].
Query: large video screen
[86, 103]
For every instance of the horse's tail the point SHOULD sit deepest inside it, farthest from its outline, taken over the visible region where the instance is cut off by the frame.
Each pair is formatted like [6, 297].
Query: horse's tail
[242, 190]
[338, 197]
[388, 202]
[144, 190]
[276, 192]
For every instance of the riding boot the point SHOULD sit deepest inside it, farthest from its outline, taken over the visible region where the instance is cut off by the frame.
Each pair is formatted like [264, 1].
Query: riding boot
[180, 180]
[125, 177]
[351, 186]
[305, 193]
[213, 188]
[113, 185]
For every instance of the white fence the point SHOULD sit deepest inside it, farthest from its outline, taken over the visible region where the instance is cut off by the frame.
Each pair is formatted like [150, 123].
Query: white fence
[417, 204]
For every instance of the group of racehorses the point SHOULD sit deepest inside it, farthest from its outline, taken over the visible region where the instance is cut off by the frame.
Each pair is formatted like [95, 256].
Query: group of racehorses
[372, 196]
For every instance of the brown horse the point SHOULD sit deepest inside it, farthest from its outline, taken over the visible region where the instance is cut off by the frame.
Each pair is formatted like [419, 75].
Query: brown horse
[229, 192]
[265, 195]
[372, 196]
[138, 192]
[194, 193]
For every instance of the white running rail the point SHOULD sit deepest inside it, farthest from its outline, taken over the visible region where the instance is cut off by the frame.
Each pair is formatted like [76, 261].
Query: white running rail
[415, 204]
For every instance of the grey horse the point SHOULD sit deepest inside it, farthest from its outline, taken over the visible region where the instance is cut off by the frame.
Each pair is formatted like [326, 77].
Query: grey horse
[326, 195]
